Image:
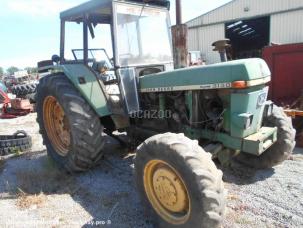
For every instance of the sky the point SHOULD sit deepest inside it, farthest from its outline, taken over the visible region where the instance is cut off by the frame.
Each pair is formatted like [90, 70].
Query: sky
[29, 29]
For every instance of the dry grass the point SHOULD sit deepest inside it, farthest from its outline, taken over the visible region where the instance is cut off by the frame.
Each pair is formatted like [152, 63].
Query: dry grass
[232, 197]
[25, 201]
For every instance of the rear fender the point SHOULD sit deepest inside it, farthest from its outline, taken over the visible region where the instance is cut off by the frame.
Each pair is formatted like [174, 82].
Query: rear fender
[87, 84]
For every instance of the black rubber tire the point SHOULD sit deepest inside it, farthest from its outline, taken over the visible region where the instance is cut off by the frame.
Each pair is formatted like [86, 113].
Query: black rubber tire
[16, 143]
[199, 173]
[23, 90]
[86, 130]
[278, 152]
[31, 97]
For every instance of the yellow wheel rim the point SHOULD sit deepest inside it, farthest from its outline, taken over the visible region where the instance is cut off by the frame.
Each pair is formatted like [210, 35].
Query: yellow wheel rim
[56, 125]
[166, 192]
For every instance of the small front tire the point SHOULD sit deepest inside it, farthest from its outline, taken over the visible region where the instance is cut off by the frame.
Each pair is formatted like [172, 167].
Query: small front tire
[178, 182]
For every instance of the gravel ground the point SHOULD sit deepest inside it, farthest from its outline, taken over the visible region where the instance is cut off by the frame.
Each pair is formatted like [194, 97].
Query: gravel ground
[35, 193]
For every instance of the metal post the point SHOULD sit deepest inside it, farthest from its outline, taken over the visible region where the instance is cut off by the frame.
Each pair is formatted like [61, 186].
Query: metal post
[223, 56]
[178, 12]
[221, 46]
[62, 41]
[85, 41]
[179, 36]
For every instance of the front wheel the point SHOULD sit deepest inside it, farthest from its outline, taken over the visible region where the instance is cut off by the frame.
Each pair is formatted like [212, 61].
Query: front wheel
[179, 183]
[279, 151]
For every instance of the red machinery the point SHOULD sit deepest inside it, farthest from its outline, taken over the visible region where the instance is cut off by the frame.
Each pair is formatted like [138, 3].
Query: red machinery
[9, 113]
[286, 89]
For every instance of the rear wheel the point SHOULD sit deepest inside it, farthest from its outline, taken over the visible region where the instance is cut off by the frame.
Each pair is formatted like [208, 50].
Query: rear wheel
[179, 183]
[71, 130]
[278, 152]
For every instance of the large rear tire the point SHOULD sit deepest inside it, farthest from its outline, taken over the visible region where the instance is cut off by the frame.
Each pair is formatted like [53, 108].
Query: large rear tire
[70, 128]
[178, 182]
[278, 152]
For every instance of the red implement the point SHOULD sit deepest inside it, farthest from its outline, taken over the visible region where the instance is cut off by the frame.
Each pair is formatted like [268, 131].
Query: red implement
[9, 113]
[285, 63]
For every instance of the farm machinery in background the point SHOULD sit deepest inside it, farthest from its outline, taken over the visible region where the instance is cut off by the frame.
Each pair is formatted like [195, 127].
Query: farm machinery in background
[16, 99]
[25, 85]
[286, 87]
[12, 108]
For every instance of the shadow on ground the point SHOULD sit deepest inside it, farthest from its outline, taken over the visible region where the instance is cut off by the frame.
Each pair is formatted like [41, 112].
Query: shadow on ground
[242, 175]
[107, 192]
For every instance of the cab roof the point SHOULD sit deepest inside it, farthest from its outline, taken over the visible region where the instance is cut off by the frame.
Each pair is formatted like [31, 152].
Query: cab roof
[101, 10]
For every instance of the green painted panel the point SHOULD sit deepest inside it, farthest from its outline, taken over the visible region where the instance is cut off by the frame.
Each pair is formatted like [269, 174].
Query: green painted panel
[254, 144]
[246, 69]
[244, 103]
[86, 7]
[90, 90]
[225, 139]
[260, 141]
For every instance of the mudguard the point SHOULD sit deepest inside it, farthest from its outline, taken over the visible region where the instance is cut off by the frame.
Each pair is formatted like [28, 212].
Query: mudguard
[87, 84]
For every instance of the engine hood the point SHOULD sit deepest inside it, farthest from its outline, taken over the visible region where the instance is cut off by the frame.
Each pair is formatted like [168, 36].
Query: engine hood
[221, 75]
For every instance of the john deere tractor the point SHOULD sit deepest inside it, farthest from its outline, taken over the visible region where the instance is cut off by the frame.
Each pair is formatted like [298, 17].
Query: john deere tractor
[179, 120]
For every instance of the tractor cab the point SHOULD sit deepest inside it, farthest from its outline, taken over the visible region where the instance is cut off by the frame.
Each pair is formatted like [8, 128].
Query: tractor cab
[140, 45]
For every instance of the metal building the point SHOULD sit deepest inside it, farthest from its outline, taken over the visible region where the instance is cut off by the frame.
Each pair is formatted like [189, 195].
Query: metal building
[249, 24]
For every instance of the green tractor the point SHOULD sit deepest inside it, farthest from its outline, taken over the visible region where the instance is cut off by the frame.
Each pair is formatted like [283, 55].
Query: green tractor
[181, 118]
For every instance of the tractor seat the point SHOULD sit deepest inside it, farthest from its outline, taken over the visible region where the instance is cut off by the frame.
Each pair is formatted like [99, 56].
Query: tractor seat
[105, 74]
[108, 78]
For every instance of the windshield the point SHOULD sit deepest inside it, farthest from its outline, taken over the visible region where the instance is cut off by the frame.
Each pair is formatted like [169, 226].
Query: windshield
[143, 35]
[96, 55]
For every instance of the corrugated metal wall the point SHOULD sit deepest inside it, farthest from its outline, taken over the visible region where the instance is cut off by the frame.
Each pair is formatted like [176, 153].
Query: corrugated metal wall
[287, 27]
[237, 10]
[202, 39]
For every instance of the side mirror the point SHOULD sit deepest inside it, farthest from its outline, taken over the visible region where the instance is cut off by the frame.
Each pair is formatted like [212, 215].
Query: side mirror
[55, 59]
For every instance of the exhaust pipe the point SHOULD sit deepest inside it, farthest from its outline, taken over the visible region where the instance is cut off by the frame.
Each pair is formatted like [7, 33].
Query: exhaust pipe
[221, 46]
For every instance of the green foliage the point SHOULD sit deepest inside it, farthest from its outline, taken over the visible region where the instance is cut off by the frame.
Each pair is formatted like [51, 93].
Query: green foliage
[1, 71]
[11, 70]
[31, 70]
[16, 151]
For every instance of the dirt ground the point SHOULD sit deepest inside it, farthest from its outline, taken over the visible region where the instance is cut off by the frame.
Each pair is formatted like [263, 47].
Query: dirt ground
[35, 193]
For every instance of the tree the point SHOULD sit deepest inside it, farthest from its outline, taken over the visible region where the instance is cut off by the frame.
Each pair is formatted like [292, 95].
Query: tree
[12, 70]
[1, 72]
[31, 70]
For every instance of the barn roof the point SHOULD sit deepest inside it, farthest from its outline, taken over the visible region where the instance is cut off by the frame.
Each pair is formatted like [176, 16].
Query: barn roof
[244, 9]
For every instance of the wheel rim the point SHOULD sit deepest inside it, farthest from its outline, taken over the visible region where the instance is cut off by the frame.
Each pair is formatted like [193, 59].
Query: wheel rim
[166, 192]
[56, 125]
